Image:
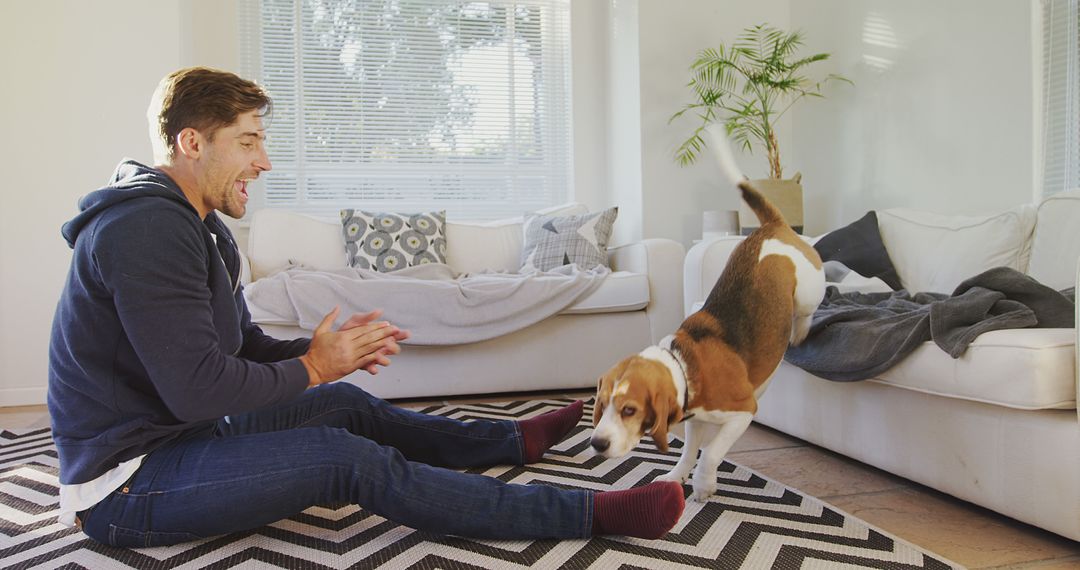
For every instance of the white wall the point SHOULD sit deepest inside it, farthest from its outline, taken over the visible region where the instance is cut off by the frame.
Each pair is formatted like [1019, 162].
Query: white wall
[947, 125]
[78, 79]
[589, 48]
[671, 34]
[941, 117]
[77, 82]
[623, 74]
[631, 66]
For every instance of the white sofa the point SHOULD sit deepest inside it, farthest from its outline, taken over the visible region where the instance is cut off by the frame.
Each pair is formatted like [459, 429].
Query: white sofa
[997, 427]
[637, 304]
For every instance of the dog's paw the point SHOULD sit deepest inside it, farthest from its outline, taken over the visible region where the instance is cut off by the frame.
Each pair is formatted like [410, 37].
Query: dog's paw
[703, 490]
[673, 476]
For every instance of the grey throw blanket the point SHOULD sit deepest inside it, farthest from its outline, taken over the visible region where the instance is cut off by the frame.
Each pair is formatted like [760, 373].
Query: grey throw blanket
[856, 336]
[437, 305]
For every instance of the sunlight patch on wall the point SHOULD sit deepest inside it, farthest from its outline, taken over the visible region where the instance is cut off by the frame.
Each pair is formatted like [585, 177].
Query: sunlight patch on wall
[878, 35]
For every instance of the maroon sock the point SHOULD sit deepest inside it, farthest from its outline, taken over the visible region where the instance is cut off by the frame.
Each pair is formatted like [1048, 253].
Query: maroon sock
[642, 512]
[544, 431]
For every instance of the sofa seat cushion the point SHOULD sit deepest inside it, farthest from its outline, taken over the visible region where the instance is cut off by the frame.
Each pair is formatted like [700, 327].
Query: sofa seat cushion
[262, 317]
[1028, 369]
[620, 291]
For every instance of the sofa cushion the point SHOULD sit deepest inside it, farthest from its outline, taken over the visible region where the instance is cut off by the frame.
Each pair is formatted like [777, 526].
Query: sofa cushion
[1055, 247]
[388, 241]
[859, 247]
[555, 241]
[1027, 369]
[473, 247]
[620, 291]
[280, 238]
[935, 252]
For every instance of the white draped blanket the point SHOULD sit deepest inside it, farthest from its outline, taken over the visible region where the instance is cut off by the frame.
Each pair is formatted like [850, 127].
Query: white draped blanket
[437, 305]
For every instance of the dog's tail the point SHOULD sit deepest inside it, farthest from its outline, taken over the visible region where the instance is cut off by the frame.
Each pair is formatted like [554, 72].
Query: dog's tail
[764, 209]
[761, 206]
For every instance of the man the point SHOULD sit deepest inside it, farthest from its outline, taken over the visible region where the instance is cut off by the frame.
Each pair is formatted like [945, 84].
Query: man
[177, 418]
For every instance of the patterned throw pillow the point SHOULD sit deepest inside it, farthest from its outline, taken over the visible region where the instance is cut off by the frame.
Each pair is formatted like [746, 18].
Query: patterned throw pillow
[386, 241]
[554, 241]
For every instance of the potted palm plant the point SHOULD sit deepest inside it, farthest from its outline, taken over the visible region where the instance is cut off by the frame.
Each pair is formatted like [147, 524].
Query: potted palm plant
[747, 88]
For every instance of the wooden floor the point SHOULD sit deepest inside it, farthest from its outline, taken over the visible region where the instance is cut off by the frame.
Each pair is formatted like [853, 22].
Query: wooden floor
[960, 531]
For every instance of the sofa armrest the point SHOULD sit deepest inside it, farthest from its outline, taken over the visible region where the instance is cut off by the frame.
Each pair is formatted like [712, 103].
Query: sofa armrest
[662, 261]
[704, 263]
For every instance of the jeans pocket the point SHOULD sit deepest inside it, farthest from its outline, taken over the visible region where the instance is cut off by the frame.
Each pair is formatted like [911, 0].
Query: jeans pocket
[131, 538]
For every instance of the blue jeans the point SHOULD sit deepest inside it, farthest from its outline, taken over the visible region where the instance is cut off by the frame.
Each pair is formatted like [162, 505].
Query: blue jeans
[335, 444]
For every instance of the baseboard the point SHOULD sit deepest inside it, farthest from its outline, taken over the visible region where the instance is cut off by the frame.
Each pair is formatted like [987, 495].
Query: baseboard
[22, 396]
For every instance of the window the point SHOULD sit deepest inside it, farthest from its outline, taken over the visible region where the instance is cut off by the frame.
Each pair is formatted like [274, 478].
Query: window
[414, 105]
[1061, 97]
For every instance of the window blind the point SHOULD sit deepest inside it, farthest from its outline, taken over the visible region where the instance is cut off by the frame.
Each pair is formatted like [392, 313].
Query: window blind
[413, 105]
[1061, 96]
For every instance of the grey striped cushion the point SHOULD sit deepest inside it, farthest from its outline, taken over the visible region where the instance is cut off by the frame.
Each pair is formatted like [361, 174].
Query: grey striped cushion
[554, 241]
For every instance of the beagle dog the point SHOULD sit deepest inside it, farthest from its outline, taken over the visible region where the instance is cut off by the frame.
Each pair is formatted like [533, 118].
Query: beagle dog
[712, 371]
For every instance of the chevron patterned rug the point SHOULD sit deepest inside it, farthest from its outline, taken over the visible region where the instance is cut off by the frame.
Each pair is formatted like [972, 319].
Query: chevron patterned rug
[752, 522]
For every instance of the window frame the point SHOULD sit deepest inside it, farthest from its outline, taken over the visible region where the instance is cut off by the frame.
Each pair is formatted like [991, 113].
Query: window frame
[511, 189]
[1059, 161]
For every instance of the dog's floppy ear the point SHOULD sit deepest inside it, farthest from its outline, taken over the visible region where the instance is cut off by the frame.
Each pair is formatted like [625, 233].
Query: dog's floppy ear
[666, 411]
[604, 387]
[603, 394]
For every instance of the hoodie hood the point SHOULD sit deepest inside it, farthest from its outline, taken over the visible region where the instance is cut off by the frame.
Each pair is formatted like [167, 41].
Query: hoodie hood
[130, 180]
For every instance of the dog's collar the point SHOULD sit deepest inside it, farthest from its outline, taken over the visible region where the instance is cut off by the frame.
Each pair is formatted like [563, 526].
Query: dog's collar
[670, 357]
[685, 379]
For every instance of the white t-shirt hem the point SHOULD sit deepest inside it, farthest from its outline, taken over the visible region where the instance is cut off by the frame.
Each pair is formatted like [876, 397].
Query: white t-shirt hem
[75, 498]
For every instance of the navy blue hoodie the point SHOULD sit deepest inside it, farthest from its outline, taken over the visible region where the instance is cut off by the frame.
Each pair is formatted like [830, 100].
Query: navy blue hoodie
[152, 337]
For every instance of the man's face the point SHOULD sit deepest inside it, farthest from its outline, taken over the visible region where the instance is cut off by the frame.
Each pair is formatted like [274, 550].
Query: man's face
[235, 155]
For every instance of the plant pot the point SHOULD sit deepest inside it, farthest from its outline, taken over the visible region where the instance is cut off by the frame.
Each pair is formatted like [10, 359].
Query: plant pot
[786, 195]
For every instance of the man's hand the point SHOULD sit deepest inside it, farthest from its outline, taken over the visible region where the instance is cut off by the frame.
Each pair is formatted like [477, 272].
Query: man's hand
[362, 343]
[382, 359]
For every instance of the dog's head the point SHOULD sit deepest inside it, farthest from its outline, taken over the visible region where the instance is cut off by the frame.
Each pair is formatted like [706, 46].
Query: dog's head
[636, 397]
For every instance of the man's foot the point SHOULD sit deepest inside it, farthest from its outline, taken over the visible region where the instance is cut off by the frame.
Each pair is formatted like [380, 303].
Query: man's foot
[642, 512]
[544, 431]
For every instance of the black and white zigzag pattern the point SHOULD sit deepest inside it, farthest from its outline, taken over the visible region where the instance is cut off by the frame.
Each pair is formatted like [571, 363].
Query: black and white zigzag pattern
[752, 522]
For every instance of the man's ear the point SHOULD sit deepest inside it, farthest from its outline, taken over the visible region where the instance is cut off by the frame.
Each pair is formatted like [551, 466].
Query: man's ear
[667, 412]
[189, 142]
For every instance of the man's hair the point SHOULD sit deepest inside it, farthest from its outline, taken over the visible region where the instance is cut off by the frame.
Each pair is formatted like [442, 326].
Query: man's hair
[201, 98]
